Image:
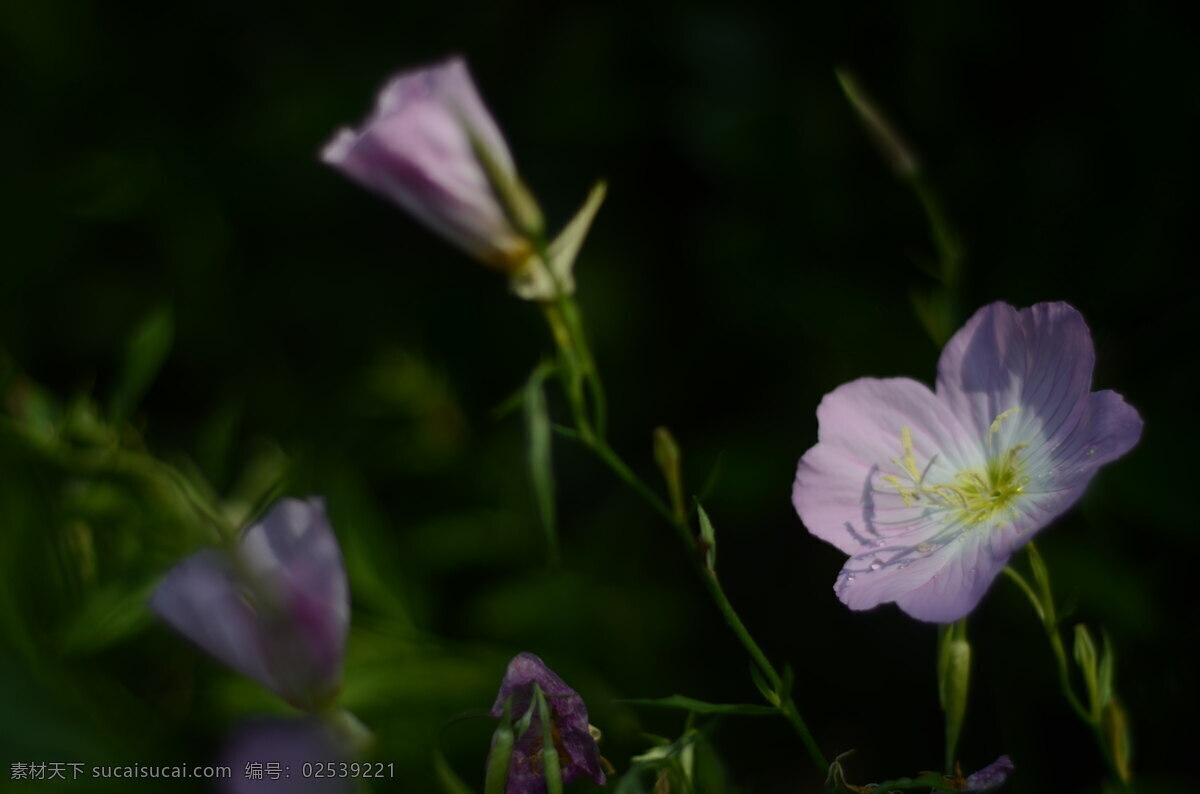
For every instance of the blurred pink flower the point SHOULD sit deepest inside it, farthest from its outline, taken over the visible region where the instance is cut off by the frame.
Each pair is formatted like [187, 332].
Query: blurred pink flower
[421, 148]
[276, 610]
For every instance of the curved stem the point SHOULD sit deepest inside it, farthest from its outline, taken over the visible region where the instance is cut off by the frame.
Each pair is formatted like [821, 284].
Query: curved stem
[785, 705]
[1049, 622]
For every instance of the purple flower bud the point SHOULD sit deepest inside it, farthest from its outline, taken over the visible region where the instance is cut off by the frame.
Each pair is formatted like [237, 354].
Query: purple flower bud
[269, 755]
[432, 148]
[276, 610]
[578, 754]
[991, 777]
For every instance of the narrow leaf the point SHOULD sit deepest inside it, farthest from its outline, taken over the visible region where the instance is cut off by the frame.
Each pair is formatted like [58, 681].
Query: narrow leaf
[685, 703]
[768, 692]
[566, 246]
[668, 458]
[1085, 657]
[145, 352]
[539, 435]
[708, 539]
[1106, 672]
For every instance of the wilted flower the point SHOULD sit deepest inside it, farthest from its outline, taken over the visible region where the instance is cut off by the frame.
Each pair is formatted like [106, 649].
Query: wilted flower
[267, 755]
[991, 777]
[276, 609]
[569, 730]
[931, 493]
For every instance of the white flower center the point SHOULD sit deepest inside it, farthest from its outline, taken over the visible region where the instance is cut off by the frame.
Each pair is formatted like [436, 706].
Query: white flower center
[976, 496]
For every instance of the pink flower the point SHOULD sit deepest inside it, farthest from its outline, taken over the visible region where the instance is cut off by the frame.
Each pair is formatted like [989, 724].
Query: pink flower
[276, 610]
[421, 149]
[932, 492]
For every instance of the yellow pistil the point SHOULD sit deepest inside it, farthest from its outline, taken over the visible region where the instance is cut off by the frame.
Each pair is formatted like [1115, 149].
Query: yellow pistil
[977, 496]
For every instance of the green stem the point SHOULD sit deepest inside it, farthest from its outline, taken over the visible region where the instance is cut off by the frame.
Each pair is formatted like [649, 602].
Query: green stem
[786, 706]
[163, 479]
[1045, 611]
[566, 326]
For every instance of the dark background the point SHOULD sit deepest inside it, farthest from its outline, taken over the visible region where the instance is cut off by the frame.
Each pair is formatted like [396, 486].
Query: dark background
[753, 254]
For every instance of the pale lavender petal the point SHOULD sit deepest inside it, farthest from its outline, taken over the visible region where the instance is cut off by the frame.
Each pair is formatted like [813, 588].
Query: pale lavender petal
[839, 491]
[579, 755]
[278, 613]
[268, 755]
[293, 556]
[991, 777]
[1108, 428]
[417, 150]
[940, 579]
[202, 600]
[1037, 360]
[453, 86]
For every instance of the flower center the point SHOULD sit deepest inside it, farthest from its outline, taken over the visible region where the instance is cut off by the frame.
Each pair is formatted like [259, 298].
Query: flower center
[977, 496]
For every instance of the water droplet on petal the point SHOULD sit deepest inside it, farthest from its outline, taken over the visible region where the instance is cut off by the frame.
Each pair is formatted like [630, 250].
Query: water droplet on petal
[925, 548]
[849, 578]
[876, 565]
[904, 564]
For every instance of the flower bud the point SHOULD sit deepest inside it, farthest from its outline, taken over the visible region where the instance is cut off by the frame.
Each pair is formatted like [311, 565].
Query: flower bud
[276, 608]
[432, 148]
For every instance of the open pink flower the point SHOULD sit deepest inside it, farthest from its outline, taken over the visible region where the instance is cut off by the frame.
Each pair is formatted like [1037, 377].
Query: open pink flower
[277, 609]
[932, 492]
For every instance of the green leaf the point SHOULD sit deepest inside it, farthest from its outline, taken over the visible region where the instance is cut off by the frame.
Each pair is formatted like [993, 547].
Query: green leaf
[106, 617]
[1085, 657]
[668, 458]
[539, 435]
[708, 539]
[768, 692]
[565, 248]
[701, 707]
[145, 352]
[1106, 672]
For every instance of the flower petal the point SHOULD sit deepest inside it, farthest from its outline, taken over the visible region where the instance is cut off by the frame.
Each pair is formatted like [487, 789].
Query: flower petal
[991, 777]
[418, 150]
[940, 580]
[202, 600]
[1108, 428]
[282, 744]
[293, 557]
[580, 757]
[1037, 360]
[839, 490]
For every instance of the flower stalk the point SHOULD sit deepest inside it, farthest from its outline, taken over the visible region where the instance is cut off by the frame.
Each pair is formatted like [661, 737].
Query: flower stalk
[1102, 712]
[584, 433]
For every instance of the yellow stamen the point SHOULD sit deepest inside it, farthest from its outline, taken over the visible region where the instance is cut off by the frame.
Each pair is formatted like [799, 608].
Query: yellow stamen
[978, 496]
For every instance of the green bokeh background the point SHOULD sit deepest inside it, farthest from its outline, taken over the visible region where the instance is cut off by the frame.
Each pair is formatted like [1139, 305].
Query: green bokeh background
[753, 254]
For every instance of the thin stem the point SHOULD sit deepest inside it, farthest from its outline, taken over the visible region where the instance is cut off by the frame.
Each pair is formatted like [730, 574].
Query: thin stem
[786, 705]
[567, 328]
[1045, 611]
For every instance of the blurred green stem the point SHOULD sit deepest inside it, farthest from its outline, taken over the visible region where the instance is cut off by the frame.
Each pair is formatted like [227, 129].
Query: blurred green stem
[584, 434]
[165, 481]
